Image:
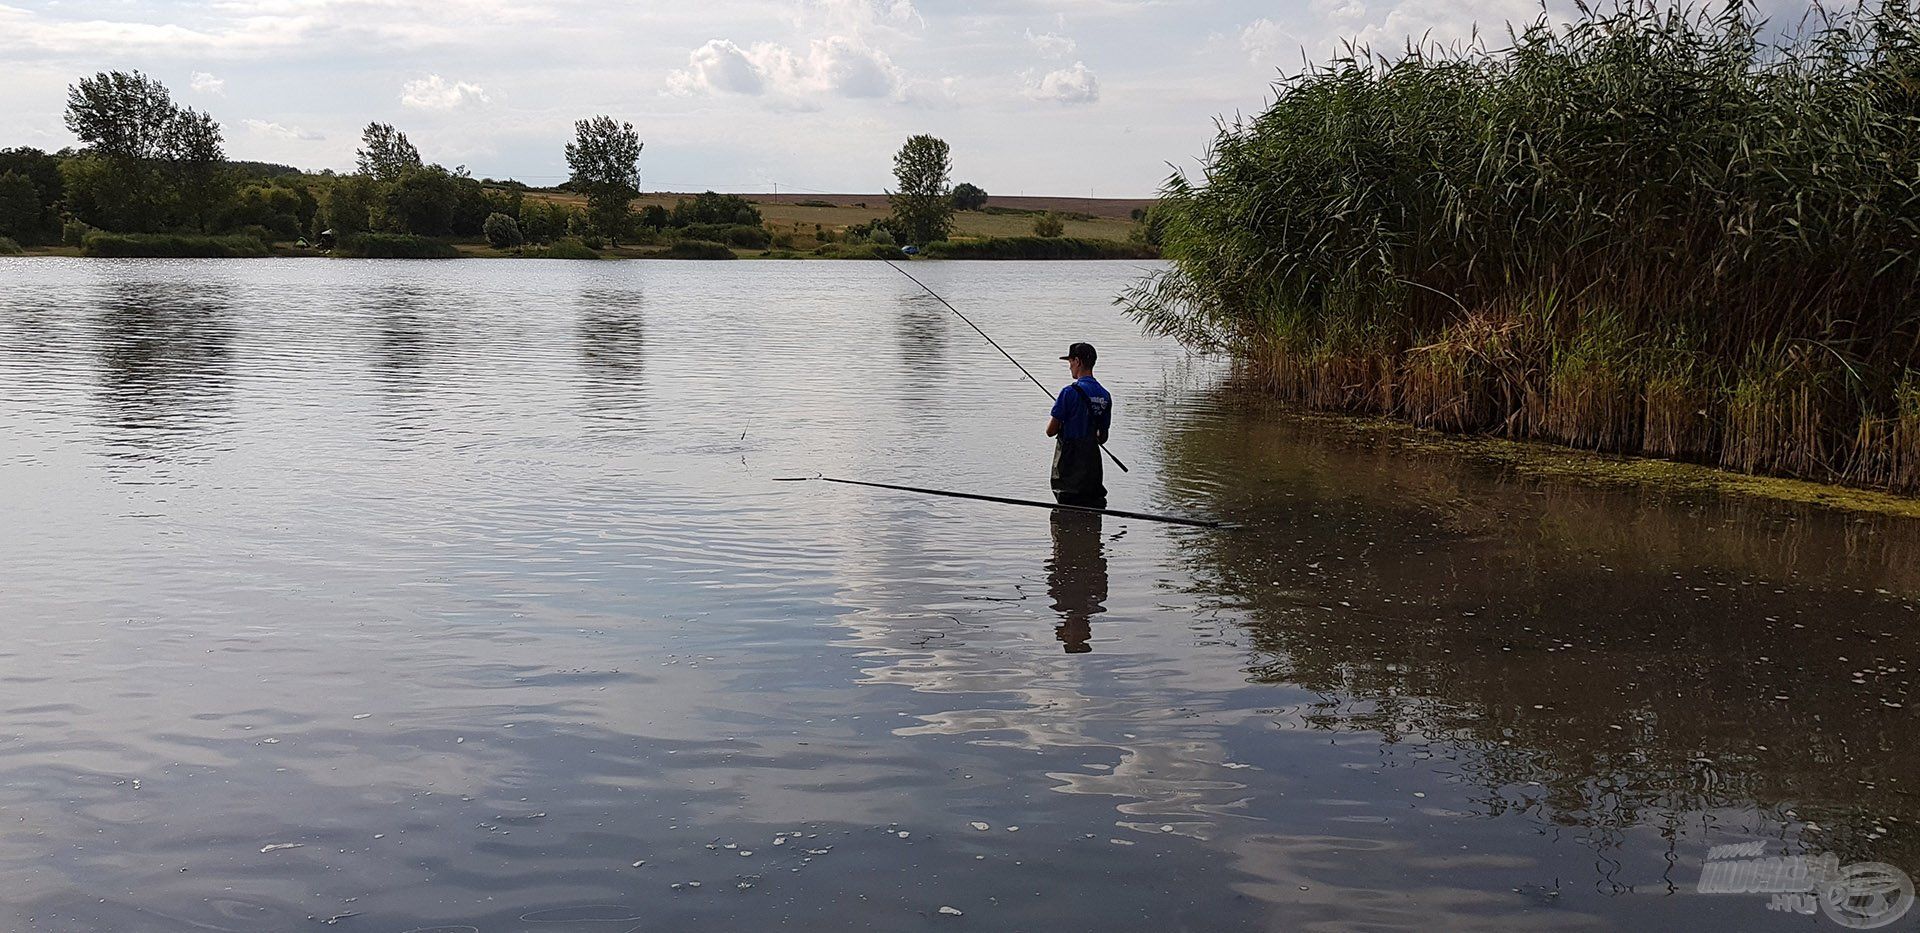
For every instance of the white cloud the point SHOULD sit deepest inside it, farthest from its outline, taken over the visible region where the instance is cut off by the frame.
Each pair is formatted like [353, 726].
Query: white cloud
[1052, 45]
[1075, 85]
[855, 16]
[207, 84]
[1441, 22]
[28, 30]
[436, 93]
[1263, 39]
[902, 11]
[943, 94]
[278, 131]
[848, 67]
[719, 67]
[1340, 11]
[837, 66]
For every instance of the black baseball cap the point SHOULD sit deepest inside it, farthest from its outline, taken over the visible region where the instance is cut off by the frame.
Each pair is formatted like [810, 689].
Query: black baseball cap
[1083, 352]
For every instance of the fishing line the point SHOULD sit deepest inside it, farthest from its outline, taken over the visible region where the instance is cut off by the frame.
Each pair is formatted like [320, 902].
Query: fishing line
[996, 346]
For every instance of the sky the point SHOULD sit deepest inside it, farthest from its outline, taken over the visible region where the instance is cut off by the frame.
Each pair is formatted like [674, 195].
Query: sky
[1039, 97]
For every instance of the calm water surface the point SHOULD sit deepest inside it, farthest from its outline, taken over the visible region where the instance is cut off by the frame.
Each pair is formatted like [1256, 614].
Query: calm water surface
[459, 597]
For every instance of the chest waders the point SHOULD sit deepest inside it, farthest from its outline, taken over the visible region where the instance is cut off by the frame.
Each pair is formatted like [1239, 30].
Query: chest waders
[1078, 477]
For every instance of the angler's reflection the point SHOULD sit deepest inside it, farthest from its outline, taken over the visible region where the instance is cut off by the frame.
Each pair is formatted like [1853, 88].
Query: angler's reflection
[1077, 577]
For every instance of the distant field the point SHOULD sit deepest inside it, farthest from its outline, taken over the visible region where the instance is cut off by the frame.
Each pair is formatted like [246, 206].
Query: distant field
[1113, 208]
[786, 215]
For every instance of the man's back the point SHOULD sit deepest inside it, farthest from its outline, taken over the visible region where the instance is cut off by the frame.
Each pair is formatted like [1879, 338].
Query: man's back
[1083, 412]
[1085, 408]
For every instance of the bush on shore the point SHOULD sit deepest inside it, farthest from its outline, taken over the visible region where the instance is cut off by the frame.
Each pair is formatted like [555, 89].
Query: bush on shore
[698, 249]
[744, 236]
[502, 231]
[1646, 230]
[857, 251]
[169, 246]
[394, 246]
[9, 247]
[1034, 247]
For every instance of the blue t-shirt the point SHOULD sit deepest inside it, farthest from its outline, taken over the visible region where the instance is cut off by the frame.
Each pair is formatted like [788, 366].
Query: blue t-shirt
[1081, 416]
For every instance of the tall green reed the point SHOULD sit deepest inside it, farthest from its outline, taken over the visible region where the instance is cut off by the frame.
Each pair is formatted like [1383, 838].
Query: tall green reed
[1645, 229]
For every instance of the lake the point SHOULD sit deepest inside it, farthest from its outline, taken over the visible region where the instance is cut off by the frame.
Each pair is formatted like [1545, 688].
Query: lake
[461, 596]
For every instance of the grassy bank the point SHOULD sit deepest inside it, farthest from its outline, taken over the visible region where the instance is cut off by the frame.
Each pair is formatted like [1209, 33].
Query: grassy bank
[1642, 232]
[169, 246]
[1033, 247]
[395, 246]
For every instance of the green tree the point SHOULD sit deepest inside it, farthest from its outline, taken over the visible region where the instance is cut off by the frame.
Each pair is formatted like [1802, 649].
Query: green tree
[505, 201]
[348, 205]
[43, 171]
[121, 115]
[19, 208]
[535, 223]
[198, 166]
[923, 205]
[110, 194]
[385, 154]
[153, 161]
[605, 159]
[472, 205]
[271, 207]
[502, 231]
[1151, 224]
[968, 196]
[1049, 224]
[710, 208]
[419, 201]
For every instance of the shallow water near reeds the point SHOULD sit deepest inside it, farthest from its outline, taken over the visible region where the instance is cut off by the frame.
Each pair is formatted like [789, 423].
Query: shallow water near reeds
[459, 596]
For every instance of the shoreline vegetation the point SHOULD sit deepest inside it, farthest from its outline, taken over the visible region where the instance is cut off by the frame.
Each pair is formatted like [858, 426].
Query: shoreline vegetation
[100, 244]
[152, 179]
[1649, 231]
[1560, 463]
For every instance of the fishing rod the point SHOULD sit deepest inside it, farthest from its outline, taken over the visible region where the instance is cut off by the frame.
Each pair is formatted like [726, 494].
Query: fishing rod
[1005, 500]
[996, 345]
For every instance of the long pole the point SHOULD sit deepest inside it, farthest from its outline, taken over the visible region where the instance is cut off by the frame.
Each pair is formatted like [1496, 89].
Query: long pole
[1005, 500]
[996, 346]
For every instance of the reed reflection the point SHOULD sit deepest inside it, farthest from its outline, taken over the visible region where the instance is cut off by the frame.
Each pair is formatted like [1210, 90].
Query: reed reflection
[1077, 577]
[1603, 657]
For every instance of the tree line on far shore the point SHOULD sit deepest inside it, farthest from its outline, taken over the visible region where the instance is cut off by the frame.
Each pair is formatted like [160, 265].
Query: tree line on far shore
[151, 167]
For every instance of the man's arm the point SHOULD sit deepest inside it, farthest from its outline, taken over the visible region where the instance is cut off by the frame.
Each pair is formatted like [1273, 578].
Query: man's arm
[1053, 427]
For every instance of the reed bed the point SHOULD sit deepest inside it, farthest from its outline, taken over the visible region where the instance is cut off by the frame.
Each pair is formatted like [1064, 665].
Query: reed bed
[1682, 232]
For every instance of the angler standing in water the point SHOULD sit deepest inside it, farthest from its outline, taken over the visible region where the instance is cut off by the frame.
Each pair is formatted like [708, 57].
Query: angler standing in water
[1082, 416]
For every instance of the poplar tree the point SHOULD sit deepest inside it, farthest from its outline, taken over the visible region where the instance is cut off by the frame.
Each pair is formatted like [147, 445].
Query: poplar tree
[605, 159]
[923, 205]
